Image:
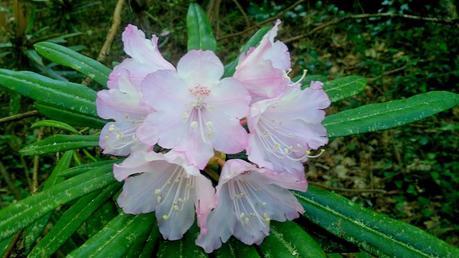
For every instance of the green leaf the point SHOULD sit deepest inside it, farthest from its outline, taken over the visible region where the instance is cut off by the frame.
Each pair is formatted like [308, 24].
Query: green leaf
[390, 114]
[373, 232]
[100, 218]
[70, 58]
[71, 220]
[344, 87]
[33, 231]
[200, 35]
[67, 95]
[69, 116]
[184, 247]
[4, 244]
[21, 214]
[230, 68]
[60, 142]
[88, 167]
[234, 248]
[54, 123]
[149, 246]
[115, 239]
[287, 239]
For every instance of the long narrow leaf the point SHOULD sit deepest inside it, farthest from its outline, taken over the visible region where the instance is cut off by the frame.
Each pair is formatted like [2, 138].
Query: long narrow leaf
[60, 142]
[54, 124]
[344, 87]
[69, 116]
[21, 214]
[373, 232]
[147, 250]
[200, 35]
[390, 114]
[88, 167]
[235, 248]
[184, 247]
[33, 231]
[70, 221]
[115, 239]
[287, 239]
[67, 95]
[70, 58]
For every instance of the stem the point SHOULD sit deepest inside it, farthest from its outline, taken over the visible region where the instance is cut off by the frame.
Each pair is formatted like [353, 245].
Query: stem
[36, 163]
[19, 116]
[105, 50]
[363, 190]
[372, 15]
[258, 25]
[9, 182]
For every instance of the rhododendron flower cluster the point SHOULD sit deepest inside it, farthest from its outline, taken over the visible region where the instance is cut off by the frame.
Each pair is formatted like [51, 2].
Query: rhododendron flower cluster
[188, 113]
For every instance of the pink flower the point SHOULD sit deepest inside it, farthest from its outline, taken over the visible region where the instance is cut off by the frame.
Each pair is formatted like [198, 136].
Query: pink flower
[283, 130]
[121, 102]
[144, 55]
[263, 69]
[248, 198]
[166, 184]
[196, 112]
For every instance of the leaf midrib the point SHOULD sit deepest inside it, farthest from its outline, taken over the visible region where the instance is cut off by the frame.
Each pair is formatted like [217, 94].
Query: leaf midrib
[379, 113]
[91, 66]
[362, 224]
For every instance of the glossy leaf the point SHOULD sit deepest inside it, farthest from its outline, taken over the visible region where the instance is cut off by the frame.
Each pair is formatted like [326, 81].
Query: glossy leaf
[70, 221]
[55, 124]
[235, 248]
[33, 231]
[69, 116]
[287, 239]
[184, 247]
[200, 35]
[60, 142]
[116, 237]
[70, 58]
[67, 95]
[19, 215]
[373, 232]
[4, 244]
[344, 87]
[390, 114]
[230, 68]
[101, 217]
[147, 250]
[88, 167]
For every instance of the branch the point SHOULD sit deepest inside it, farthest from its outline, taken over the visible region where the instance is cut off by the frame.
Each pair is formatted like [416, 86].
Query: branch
[363, 190]
[9, 182]
[105, 50]
[19, 116]
[372, 15]
[258, 25]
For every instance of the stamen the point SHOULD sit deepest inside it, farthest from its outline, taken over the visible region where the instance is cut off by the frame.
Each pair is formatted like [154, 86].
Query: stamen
[308, 152]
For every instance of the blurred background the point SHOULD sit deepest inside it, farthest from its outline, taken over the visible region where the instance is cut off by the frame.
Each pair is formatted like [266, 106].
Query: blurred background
[402, 47]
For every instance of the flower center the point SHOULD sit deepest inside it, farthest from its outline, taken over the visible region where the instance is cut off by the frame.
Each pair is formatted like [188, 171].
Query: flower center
[200, 91]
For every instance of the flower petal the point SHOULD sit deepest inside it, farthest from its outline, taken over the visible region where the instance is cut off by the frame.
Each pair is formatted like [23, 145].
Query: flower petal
[221, 224]
[137, 162]
[205, 200]
[247, 201]
[262, 80]
[143, 50]
[200, 67]
[138, 192]
[118, 138]
[175, 211]
[229, 93]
